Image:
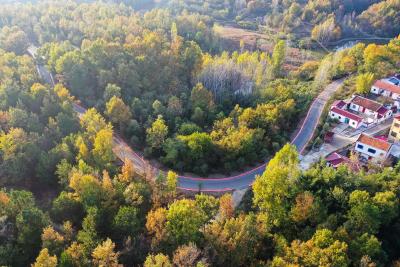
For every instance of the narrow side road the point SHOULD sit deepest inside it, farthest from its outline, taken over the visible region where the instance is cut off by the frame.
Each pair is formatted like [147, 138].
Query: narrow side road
[124, 152]
[310, 123]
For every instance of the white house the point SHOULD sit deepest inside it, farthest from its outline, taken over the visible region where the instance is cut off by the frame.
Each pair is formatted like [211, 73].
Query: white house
[372, 148]
[375, 112]
[345, 116]
[389, 87]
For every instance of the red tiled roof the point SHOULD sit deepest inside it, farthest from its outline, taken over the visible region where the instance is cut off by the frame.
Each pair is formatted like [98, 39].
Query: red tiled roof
[382, 110]
[387, 86]
[366, 103]
[339, 103]
[346, 114]
[374, 142]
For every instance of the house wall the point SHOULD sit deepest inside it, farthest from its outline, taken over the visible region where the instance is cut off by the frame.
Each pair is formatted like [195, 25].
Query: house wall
[368, 151]
[375, 90]
[378, 91]
[342, 119]
[388, 114]
[390, 94]
[361, 109]
[354, 107]
[394, 134]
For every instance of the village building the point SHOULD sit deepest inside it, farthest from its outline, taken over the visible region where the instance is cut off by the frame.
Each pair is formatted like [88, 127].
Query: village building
[359, 111]
[347, 117]
[394, 134]
[372, 148]
[372, 111]
[389, 87]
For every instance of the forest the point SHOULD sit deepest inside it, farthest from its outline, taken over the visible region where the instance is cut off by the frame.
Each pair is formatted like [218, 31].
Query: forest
[162, 79]
[304, 21]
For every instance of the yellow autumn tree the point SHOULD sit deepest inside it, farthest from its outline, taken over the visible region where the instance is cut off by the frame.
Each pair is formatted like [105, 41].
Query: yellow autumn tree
[104, 255]
[45, 260]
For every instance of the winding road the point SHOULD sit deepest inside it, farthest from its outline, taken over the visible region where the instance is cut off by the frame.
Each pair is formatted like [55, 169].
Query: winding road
[314, 113]
[124, 152]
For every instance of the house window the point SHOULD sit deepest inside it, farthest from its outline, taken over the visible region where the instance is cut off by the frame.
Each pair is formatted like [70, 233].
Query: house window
[354, 106]
[396, 125]
[393, 134]
[360, 146]
[372, 151]
[340, 117]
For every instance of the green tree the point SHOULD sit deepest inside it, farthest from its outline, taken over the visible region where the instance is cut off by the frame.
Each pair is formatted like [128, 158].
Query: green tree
[278, 57]
[158, 107]
[66, 207]
[13, 39]
[110, 91]
[366, 245]
[87, 188]
[117, 111]
[88, 235]
[274, 189]
[19, 152]
[30, 223]
[363, 215]
[126, 221]
[157, 133]
[184, 220]
[172, 183]
[388, 206]
[208, 204]
[73, 69]
[159, 260]
[202, 98]
[93, 122]
[102, 149]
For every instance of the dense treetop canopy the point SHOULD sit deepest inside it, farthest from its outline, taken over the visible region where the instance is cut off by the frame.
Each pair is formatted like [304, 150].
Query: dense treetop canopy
[159, 75]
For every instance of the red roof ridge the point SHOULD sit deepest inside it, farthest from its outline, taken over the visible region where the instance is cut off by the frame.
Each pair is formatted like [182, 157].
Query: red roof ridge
[366, 103]
[374, 142]
[347, 114]
[385, 85]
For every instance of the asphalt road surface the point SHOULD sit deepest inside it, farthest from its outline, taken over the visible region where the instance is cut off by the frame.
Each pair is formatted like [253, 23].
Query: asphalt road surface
[124, 152]
[310, 123]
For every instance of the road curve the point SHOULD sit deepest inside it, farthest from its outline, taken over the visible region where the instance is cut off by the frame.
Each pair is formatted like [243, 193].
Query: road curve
[124, 152]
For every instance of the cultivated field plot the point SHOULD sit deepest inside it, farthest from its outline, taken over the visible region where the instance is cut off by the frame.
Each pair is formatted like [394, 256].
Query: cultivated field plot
[231, 36]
